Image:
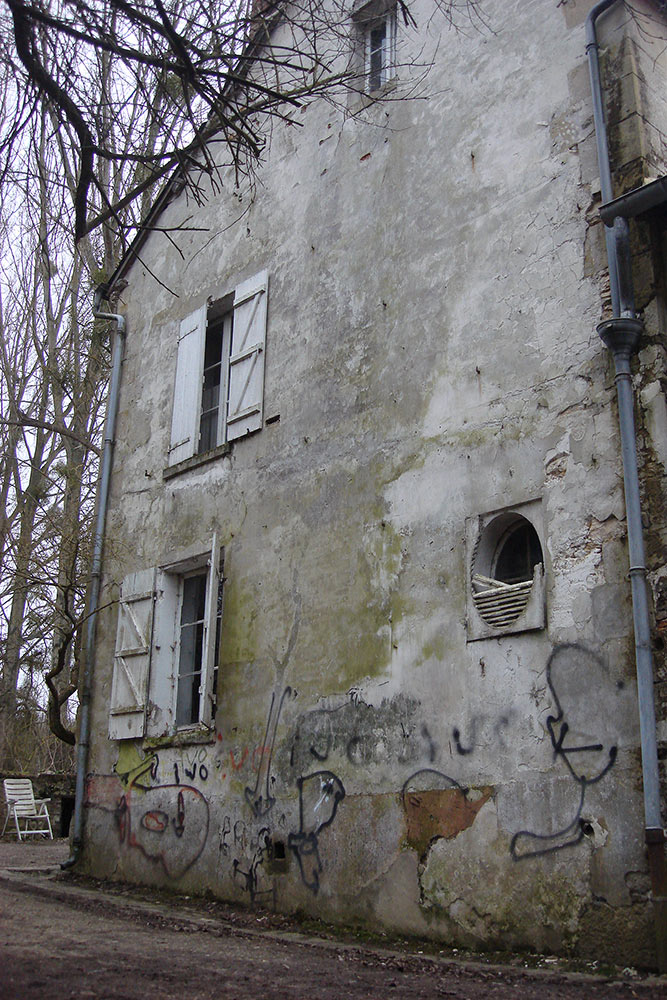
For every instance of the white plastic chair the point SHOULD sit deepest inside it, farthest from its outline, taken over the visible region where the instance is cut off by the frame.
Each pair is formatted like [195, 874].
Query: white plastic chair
[26, 809]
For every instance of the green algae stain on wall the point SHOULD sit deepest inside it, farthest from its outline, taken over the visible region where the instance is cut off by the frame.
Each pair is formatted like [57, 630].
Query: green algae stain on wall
[239, 634]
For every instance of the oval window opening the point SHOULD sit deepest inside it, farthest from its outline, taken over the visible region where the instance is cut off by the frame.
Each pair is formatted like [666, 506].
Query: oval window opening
[508, 552]
[518, 553]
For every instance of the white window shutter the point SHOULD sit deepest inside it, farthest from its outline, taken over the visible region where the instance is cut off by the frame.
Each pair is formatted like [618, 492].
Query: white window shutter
[208, 658]
[246, 362]
[132, 657]
[164, 666]
[187, 388]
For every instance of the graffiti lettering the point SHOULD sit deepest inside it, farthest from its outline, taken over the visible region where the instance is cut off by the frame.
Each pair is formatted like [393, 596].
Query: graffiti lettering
[364, 734]
[232, 759]
[481, 725]
[432, 746]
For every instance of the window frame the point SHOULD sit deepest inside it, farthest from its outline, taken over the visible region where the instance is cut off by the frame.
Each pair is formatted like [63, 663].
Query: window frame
[366, 18]
[387, 69]
[193, 666]
[210, 651]
[243, 346]
[225, 320]
[154, 709]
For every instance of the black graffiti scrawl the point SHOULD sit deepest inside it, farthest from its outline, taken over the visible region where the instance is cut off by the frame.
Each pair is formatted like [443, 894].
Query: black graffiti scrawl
[259, 798]
[573, 672]
[319, 796]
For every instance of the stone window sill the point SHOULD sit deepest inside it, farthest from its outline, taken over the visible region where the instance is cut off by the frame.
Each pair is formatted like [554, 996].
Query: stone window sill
[197, 736]
[196, 460]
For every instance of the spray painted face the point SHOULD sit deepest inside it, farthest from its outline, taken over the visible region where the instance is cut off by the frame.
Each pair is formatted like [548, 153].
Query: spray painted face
[168, 824]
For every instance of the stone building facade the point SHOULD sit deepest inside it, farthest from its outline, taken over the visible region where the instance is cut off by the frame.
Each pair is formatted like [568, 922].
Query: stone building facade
[366, 641]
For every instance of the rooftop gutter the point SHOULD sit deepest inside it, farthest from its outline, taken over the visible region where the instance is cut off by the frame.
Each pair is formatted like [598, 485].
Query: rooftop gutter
[621, 335]
[83, 742]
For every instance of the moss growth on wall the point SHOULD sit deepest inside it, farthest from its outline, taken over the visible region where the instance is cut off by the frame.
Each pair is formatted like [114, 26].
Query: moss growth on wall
[238, 638]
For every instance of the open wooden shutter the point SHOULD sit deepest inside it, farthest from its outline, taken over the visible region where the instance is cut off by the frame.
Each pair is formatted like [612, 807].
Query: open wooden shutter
[164, 665]
[132, 656]
[246, 362]
[187, 389]
[208, 658]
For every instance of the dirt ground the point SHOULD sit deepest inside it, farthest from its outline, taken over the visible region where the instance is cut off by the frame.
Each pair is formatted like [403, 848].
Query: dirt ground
[65, 937]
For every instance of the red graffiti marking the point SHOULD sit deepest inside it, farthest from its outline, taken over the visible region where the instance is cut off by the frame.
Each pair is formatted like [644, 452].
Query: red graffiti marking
[258, 755]
[157, 821]
[241, 762]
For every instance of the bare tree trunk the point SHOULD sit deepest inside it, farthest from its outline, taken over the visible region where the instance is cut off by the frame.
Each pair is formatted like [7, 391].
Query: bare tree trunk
[21, 588]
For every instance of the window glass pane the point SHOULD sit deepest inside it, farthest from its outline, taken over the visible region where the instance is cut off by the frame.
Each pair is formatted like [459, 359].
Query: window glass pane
[211, 386]
[208, 431]
[187, 653]
[376, 43]
[187, 703]
[191, 649]
[194, 599]
[213, 348]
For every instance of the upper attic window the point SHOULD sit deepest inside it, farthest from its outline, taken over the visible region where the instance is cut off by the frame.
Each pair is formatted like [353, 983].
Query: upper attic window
[380, 50]
[377, 30]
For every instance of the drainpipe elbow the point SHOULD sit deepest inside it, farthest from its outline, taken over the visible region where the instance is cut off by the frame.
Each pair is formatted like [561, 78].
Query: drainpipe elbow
[99, 295]
[73, 858]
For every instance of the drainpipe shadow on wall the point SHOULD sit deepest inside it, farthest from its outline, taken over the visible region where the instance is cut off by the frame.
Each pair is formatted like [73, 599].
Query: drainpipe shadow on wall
[621, 334]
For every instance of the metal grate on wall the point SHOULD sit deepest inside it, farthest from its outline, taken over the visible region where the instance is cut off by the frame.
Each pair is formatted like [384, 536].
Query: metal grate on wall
[499, 604]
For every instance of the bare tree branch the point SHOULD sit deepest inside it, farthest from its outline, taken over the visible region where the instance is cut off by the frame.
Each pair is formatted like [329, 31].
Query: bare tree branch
[55, 428]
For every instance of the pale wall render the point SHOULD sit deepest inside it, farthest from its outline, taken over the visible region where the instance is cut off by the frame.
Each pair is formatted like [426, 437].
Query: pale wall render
[404, 308]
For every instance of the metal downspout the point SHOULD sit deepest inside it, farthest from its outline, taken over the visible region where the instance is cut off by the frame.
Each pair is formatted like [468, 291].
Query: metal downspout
[83, 742]
[621, 335]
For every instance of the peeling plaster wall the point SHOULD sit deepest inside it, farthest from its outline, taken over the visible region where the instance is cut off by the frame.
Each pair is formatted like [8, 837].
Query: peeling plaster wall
[436, 275]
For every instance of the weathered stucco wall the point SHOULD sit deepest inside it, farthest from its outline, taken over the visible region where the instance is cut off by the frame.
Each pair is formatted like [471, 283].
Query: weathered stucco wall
[436, 275]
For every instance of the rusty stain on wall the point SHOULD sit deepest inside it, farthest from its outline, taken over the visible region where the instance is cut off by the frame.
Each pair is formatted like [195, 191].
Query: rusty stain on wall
[440, 812]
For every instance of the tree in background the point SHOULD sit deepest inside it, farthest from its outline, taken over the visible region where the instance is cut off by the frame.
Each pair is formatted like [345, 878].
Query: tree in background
[206, 76]
[54, 361]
